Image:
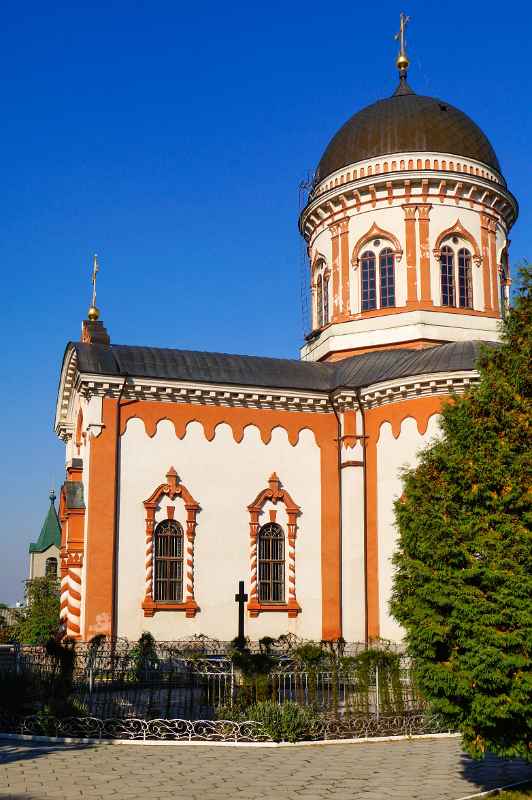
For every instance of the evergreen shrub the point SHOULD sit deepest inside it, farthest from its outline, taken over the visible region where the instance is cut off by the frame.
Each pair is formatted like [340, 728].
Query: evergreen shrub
[463, 582]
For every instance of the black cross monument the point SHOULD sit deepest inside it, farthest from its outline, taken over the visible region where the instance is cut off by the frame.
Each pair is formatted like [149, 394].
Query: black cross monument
[241, 598]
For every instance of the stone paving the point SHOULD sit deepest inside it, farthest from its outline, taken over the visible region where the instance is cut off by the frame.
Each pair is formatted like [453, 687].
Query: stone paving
[430, 769]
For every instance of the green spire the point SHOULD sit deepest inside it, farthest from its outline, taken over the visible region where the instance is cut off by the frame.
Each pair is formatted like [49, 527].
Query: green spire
[50, 532]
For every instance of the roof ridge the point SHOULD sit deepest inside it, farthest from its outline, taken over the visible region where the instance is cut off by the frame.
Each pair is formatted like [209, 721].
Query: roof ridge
[216, 353]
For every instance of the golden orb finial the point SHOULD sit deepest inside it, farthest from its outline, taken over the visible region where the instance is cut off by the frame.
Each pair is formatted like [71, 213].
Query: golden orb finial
[93, 313]
[402, 62]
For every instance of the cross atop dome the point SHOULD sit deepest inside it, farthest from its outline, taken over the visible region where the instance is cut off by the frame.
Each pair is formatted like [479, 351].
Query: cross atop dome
[402, 59]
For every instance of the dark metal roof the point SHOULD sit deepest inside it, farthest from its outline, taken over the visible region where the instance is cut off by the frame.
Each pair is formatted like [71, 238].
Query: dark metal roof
[405, 123]
[202, 367]
[386, 365]
[272, 373]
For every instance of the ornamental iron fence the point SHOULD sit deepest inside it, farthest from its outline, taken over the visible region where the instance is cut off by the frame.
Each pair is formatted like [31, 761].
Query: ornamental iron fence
[216, 730]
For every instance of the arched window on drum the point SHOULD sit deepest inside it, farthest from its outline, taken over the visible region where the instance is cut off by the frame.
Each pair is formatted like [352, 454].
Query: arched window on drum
[322, 298]
[377, 275]
[456, 281]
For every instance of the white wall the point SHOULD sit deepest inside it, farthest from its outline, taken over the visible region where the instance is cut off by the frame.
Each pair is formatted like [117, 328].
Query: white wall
[353, 586]
[224, 477]
[38, 562]
[392, 456]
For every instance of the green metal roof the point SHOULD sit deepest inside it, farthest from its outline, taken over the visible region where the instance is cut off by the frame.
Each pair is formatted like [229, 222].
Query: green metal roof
[50, 532]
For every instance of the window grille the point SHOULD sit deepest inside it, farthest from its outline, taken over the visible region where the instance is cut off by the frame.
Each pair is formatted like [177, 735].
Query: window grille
[387, 278]
[50, 568]
[168, 582]
[319, 301]
[465, 293]
[447, 276]
[369, 288]
[271, 563]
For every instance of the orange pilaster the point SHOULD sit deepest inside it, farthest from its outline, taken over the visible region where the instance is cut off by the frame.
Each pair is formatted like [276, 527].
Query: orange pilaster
[484, 244]
[410, 239]
[335, 235]
[424, 254]
[344, 257]
[330, 535]
[493, 262]
[101, 526]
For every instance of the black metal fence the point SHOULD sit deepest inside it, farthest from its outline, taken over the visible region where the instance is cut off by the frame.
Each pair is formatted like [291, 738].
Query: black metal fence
[194, 679]
[120, 687]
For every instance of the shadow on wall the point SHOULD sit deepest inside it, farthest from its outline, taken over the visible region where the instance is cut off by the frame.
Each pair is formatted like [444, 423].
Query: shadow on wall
[492, 772]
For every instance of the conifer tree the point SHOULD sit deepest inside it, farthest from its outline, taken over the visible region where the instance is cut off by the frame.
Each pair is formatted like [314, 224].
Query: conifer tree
[40, 619]
[463, 583]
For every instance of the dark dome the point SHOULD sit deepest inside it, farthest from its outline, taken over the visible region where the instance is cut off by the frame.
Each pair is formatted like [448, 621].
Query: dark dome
[404, 123]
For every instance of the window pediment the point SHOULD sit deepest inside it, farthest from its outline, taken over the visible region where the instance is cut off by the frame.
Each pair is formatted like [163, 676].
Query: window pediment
[386, 239]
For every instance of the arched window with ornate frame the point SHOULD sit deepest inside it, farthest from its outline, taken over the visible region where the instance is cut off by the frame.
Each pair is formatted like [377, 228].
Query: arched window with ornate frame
[376, 254]
[168, 548]
[271, 563]
[456, 250]
[169, 560]
[456, 279]
[272, 555]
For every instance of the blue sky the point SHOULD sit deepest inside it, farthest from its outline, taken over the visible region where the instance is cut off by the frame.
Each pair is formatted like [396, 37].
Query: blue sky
[171, 138]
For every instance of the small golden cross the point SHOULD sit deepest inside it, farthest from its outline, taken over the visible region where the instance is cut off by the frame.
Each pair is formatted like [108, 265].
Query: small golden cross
[95, 270]
[401, 34]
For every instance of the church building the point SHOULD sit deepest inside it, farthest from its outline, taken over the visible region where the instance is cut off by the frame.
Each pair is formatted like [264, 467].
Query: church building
[189, 471]
[45, 552]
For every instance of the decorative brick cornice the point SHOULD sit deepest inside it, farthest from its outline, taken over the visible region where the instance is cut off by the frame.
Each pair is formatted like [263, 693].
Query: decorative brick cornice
[411, 180]
[419, 386]
[203, 394]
